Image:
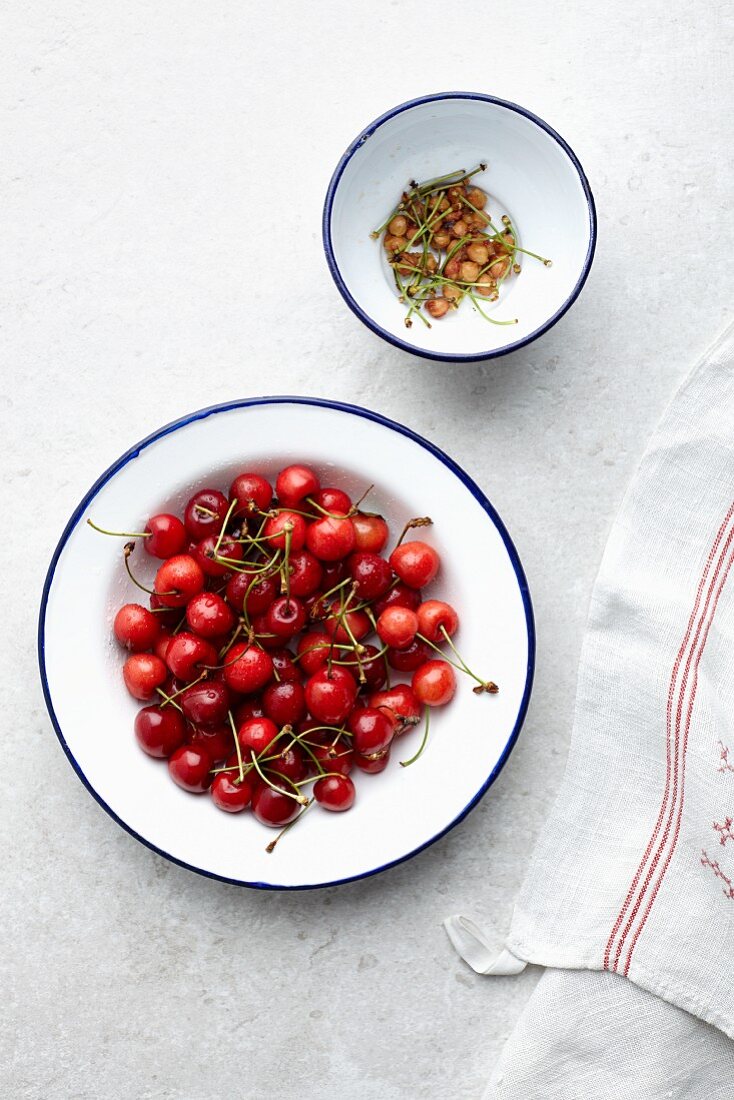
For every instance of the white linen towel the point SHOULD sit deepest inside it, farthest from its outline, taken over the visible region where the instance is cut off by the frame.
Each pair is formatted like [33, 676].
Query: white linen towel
[633, 874]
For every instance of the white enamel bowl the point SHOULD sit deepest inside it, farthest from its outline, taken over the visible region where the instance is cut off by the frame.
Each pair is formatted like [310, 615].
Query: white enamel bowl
[396, 813]
[532, 175]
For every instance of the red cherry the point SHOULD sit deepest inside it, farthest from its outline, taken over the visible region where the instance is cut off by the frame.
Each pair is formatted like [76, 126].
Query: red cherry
[399, 703]
[177, 580]
[294, 484]
[305, 574]
[338, 758]
[143, 673]
[285, 617]
[209, 615]
[250, 489]
[434, 683]
[334, 572]
[397, 626]
[247, 668]
[161, 646]
[217, 740]
[411, 657]
[330, 695]
[159, 730]
[291, 763]
[187, 656]
[335, 792]
[416, 563]
[264, 634]
[370, 533]
[398, 596]
[373, 764]
[337, 622]
[330, 538]
[335, 501]
[371, 729]
[274, 530]
[273, 807]
[251, 708]
[231, 795]
[205, 704]
[167, 616]
[285, 703]
[258, 734]
[190, 767]
[373, 667]
[371, 574]
[432, 616]
[283, 666]
[206, 554]
[205, 513]
[313, 650]
[136, 628]
[260, 595]
[167, 536]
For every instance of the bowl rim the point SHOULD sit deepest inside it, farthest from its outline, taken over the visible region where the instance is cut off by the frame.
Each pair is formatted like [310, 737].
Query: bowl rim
[342, 407]
[425, 353]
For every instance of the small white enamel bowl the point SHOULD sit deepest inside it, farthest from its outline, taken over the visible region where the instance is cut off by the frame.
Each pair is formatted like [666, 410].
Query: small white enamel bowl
[396, 813]
[532, 176]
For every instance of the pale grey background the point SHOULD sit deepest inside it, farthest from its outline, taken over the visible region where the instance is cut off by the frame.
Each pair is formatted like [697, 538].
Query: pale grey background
[145, 272]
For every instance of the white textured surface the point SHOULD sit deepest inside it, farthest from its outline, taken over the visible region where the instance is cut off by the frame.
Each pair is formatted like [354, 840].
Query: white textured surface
[145, 273]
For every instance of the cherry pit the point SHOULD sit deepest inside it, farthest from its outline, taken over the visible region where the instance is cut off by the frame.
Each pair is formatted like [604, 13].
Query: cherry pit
[266, 657]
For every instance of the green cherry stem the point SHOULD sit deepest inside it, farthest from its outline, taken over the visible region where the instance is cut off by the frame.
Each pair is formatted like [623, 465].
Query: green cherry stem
[120, 534]
[237, 746]
[271, 846]
[424, 742]
[223, 528]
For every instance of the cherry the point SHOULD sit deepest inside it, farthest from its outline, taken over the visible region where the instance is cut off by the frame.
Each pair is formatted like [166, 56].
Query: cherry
[398, 596]
[370, 532]
[190, 767]
[335, 792]
[217, 740]
[161, 646]
[399, 703]
[275, 528]
[285, 703]
[334, 573]
[188, 654]
[166, 536]
[397, 626]
[258, 734]
[159, 730]
[177, 580]
[205, 704]
[283, 666]
[373, 667]
[251, 708]
[334, 758]
[136, 627]
[371, 574]
[330, 695]
[250, 489]
[273, 807]
[294, 484]
[264, 634]
[410, 657]
[339, 624]
[416, 563]
[259, 598]
[207, 555]
[330, 538]
[371, 729]
[209, 615]
[433, 615]
[205, 513]
[143, 673]
[247, 668]
[304, 574]
[285, 617]
[230, 794]
[434, 683]
[331, 500]
[291, 763]
[167, 616]
[313, 650]
[373, 764]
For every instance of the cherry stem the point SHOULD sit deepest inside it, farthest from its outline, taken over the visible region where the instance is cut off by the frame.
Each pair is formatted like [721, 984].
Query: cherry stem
[127, 551]
[492, 320]
[223, 528]
[121, 534]
[298, 797]
[168, 699]
[424, 741]
[271, 846]
[487, 686]
[418, 521]
[236, 745]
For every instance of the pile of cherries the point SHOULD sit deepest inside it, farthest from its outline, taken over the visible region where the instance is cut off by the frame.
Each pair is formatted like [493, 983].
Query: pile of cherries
[254, 656]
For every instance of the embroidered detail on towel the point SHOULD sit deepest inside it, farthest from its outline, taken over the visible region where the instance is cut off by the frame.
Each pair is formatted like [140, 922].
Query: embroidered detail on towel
[681, 697]
[728, 890]
[724, 765]
[724, 830]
